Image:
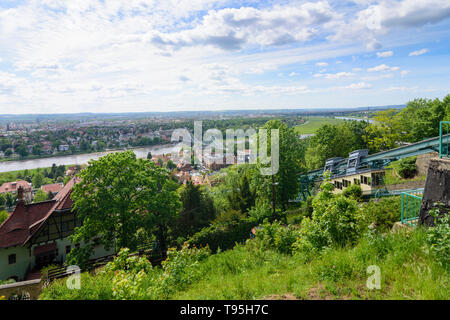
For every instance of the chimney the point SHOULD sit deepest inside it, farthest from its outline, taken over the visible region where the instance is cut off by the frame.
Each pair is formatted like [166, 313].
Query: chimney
[20, 195]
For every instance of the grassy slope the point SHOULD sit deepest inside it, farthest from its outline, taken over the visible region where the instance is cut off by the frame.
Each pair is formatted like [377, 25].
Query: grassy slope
[392, 178]
[314, 123]
[407, 272]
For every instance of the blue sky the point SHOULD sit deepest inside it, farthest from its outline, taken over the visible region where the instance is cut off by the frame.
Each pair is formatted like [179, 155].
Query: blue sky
[61, 56]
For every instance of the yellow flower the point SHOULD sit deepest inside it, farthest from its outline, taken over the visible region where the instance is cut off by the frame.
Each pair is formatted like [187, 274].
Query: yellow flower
[2, 298]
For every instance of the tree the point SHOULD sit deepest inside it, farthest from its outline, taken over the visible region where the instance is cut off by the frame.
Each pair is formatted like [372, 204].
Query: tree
[2, 199]
[291, 154]
[3, 216]
[197, 210]
[117, 195]
[37, 149]
[40, 196]
[38, 180]
[420, 119]
[446, 103]
[335, 141]
[22, 150]
[241, 197]
[10, 199]
[385, 132]
[170, 165]
[149, 155]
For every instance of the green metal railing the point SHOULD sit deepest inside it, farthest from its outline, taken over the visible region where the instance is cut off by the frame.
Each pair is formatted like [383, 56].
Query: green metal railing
[444, 142]
[411, 203]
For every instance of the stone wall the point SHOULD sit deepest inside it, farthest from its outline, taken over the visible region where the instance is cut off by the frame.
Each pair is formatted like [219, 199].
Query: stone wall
[423, 161]
[31, 289]
[437, 189]
[407, 185]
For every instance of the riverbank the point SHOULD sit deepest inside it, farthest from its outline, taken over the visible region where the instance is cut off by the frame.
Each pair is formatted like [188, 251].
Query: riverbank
[82, 158]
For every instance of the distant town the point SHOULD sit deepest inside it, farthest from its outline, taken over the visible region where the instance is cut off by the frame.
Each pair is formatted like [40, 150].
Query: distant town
[38, 136]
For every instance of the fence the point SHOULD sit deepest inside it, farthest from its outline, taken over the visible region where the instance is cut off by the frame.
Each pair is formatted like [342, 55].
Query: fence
[411, 203]
[61, 272]
[444, 142]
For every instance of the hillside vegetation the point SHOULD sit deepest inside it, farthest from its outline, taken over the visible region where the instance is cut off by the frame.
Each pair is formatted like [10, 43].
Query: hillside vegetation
[325, 257]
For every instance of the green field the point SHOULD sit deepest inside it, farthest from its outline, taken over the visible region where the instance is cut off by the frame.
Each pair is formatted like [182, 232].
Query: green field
[313, 123]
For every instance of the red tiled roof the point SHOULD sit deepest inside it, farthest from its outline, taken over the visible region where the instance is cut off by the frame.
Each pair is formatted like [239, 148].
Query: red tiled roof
[15, 229]
[53, 188]
[13, 186]
[26, 219]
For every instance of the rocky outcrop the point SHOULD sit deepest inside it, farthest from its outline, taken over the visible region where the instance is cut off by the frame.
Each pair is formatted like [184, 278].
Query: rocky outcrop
[437, 190]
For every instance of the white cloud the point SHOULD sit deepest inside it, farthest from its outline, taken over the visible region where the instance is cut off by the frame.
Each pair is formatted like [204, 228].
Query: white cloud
[385, 54]
[401, 88]
[378, 18]
[360, 85]
[141, 55]
[235, 29]
[292, 74]
[339, 75]
[419, 52]
[382, 67]
[379, 76]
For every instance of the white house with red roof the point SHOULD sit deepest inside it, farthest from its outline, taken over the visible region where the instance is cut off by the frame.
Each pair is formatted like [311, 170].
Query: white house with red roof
[36, 235]
[12, 187]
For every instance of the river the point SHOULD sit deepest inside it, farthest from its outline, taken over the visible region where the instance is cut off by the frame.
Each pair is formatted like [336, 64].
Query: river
[356, 119]
[80, 158]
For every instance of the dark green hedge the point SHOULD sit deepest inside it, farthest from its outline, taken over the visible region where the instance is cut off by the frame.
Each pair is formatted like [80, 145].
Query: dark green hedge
[224, 235]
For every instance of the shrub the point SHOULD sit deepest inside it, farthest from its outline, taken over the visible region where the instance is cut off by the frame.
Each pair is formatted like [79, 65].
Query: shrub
[79, 256]
[382, 213]
[333, 221]
[180, 269]
[93, 287]
[354, 191]
[438, 237]
[277, 237]
[231, 227]
[407, 168]
[223, 235]
[262, 210]
[123, 261]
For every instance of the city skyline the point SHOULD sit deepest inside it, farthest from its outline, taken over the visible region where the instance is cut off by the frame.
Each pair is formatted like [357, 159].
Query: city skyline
[144, 56]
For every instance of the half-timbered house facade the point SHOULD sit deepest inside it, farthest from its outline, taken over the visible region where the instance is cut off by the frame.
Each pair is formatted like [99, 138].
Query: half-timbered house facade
[36, 235]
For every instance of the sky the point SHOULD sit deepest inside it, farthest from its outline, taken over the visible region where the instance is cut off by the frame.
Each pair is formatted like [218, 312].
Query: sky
[59, 56]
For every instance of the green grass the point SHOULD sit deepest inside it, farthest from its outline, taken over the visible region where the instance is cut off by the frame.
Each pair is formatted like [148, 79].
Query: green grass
[408, 271]
[18, 174]
[391, 177]
[313, 123]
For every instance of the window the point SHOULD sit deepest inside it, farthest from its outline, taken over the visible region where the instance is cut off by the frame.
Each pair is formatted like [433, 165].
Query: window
[356, 181]
[365, 180]
[65, 226]
[12, 259]
[77, 246]
[68, 248]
